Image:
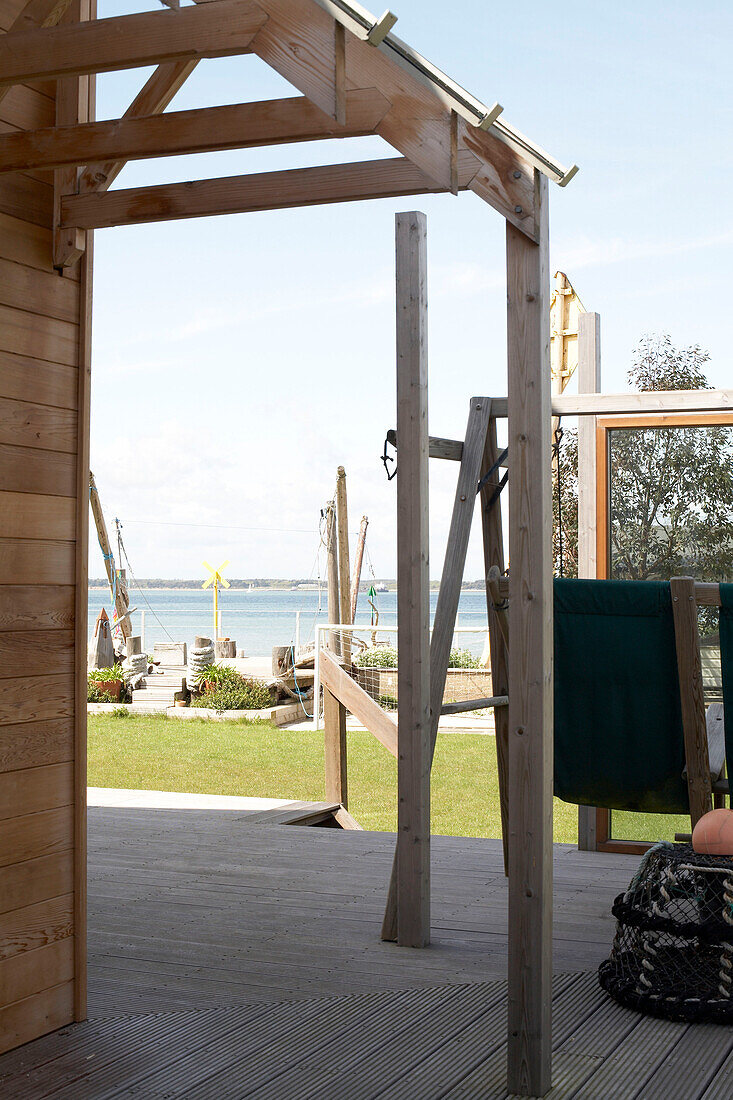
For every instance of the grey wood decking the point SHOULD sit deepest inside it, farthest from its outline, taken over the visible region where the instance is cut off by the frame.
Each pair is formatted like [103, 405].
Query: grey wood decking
[232, 957]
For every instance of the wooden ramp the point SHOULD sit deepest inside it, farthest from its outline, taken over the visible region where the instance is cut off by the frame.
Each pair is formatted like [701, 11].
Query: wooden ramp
[329, 814]
[409, 1044]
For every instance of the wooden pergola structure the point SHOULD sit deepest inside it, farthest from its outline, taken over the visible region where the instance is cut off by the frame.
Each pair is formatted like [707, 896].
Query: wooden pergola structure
[56, 166]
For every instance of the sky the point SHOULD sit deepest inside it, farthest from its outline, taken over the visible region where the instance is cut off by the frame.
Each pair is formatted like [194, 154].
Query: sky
[239, 360]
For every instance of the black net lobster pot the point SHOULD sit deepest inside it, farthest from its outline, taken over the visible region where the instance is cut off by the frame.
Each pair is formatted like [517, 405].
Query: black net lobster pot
[673, 950]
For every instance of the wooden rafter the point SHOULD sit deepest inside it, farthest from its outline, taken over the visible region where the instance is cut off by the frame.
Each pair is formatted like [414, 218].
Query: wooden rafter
[238, 126]
[223, 29]
[373, 179]
[37, 13]
[298, 42]
[152, 99]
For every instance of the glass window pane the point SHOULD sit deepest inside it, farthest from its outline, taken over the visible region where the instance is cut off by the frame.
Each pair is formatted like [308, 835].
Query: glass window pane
[671, 514]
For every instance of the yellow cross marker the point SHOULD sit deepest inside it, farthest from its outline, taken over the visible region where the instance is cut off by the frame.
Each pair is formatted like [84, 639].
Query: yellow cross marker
[216, 579]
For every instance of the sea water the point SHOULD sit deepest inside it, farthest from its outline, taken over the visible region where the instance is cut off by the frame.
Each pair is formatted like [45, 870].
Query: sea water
[262, 618]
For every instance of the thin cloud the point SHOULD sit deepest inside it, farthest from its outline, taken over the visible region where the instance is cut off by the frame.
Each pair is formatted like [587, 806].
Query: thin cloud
[597, 252]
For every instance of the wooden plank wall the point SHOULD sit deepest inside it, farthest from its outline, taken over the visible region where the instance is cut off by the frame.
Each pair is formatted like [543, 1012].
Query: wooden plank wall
[44, 340]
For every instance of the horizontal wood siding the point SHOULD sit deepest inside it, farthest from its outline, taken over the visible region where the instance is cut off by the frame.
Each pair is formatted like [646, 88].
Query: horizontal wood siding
[35, 835]
[28, 653]
[22, 975]
[33, 744]
[36, 607]
[46, 1011]
[35, 926]
[33, 790]
[29, 561]
[32, 698]
[33, 471]
[35, 880]
[42, 436]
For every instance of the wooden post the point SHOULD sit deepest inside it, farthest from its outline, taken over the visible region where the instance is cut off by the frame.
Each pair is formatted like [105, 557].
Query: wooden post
[530, 657]
[344, 603]
[692, 699]
[71, 108]
[334, 713]
[451, 580]
[87, 10]
[358, 561]
[493, 538]
[413, 586]
[589, 381]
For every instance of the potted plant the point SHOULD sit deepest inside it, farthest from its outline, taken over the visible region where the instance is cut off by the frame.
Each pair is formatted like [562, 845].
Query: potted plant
[107, 681]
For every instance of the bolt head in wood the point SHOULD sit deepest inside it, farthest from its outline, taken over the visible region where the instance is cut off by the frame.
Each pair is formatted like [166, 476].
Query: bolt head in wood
[517, 209]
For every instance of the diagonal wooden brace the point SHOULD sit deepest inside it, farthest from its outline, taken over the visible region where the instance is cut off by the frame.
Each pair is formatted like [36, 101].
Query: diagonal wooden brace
[450, 591]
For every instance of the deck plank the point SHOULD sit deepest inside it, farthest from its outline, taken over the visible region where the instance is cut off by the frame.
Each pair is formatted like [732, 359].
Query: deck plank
[245, 961]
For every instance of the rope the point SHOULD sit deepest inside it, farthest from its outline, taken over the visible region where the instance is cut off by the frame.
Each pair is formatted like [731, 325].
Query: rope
[139, 589]
[492, 470]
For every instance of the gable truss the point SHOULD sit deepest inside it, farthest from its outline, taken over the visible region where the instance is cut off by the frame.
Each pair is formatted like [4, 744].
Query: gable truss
[355, 77]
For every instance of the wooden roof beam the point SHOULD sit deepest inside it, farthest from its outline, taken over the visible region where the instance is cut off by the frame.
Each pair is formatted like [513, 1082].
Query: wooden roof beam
[223, 29]
[237, 126]
[375, 179]
[298, 42]
[39, 13]
[152, 99]
[36, 13]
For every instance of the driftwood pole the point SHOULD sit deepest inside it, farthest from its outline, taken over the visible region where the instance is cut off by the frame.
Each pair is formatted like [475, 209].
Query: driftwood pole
[358, 561]
[116, 590]
[334, 712]
[413, 586]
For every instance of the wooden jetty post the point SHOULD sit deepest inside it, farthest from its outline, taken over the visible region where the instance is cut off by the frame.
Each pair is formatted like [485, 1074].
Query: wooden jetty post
[344, 572]
[413, 586]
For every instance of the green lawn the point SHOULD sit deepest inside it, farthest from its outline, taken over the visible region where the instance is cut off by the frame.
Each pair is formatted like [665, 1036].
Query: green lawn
[259, 760]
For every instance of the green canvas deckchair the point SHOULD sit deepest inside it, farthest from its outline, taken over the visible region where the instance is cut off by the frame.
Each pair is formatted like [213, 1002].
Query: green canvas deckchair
[619, 735]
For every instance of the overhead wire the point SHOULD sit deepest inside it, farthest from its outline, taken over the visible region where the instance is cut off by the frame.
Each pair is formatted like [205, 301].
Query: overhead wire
[136, 583]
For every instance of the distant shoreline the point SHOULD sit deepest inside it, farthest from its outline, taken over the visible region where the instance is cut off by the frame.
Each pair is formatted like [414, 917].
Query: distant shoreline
[434, 587]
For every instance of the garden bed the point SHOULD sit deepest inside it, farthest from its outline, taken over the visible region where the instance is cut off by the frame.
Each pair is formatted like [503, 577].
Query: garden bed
[460, 684]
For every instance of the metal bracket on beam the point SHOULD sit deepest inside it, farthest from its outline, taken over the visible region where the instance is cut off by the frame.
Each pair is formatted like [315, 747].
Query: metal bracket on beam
[570, 174]
[490, 118]
[381, 28]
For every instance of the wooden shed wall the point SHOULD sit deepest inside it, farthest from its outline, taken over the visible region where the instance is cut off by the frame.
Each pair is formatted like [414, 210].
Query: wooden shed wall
[44, 370]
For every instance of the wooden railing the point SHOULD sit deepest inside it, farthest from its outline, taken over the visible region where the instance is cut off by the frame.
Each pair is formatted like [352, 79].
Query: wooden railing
[362, 706]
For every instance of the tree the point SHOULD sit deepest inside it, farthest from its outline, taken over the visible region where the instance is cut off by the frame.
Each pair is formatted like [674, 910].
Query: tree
[671, 488]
